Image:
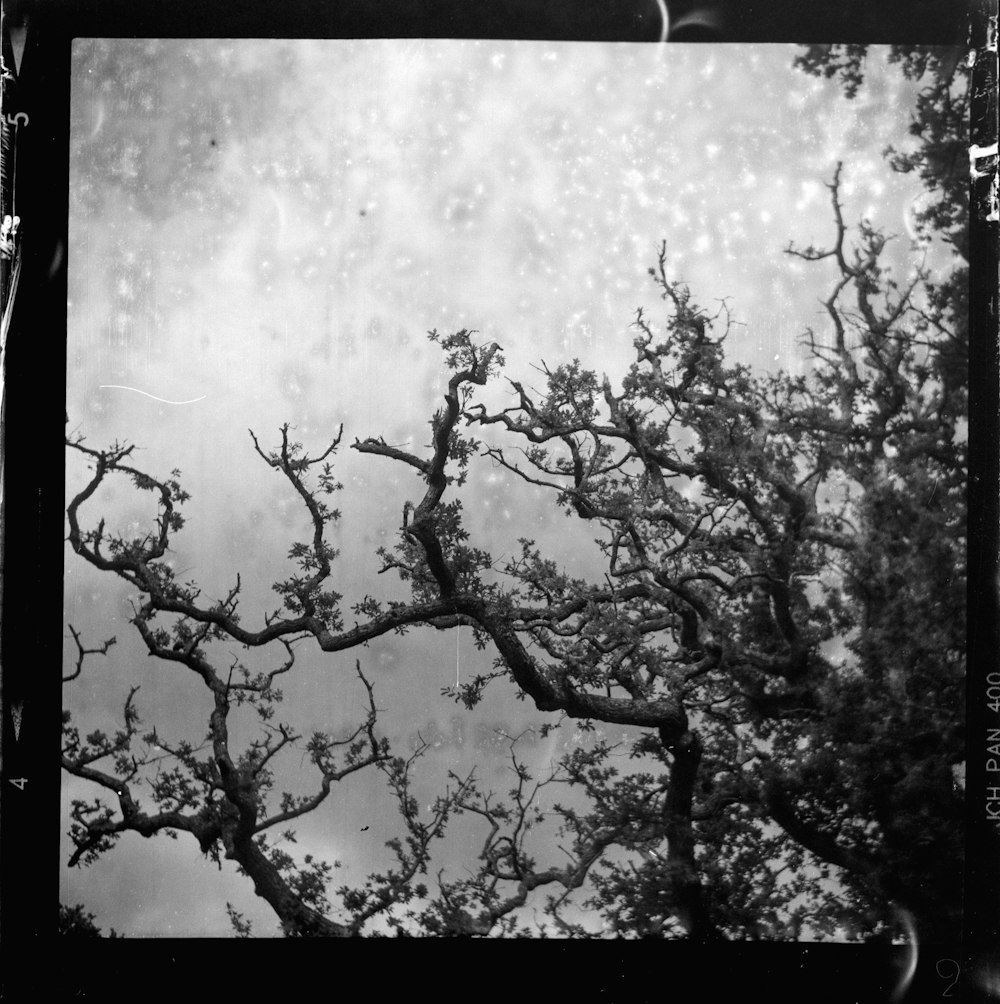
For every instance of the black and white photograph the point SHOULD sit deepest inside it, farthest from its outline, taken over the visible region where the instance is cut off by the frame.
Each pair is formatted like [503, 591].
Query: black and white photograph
[515, 488]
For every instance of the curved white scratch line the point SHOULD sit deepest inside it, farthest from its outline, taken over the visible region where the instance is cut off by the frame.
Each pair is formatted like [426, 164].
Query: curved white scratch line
[664, 20]
[279, 208]
[912, 952]
[99, 120]
[549, 750]
[707, 17]
[661, 7]
[118, 386]
[916, 205]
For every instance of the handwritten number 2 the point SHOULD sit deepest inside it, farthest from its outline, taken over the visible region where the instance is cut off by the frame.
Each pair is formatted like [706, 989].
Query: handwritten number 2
[947, 992]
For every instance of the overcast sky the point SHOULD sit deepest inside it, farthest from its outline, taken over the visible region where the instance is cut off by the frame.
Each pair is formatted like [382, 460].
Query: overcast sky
[264, 231]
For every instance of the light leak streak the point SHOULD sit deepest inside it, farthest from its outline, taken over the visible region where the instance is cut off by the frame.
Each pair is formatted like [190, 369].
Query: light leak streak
[116, 386]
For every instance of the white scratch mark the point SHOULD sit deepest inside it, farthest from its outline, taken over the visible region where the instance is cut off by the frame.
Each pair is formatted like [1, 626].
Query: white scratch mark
[279, 208]
[664, 21]
[117, 386]
[98, 120]
[708, 19]
[912, 950]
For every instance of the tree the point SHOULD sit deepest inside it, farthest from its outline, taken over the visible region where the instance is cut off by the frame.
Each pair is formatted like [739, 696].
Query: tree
[778, 613]
[939, 122]
[76, 922]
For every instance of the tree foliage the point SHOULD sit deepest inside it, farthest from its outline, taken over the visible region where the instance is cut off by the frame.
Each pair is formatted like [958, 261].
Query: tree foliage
[76, 922]
[779, 612]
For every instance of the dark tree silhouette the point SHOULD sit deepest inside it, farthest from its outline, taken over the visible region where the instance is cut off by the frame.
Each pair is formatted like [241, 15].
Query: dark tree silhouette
[779, 613]
[75, 922]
